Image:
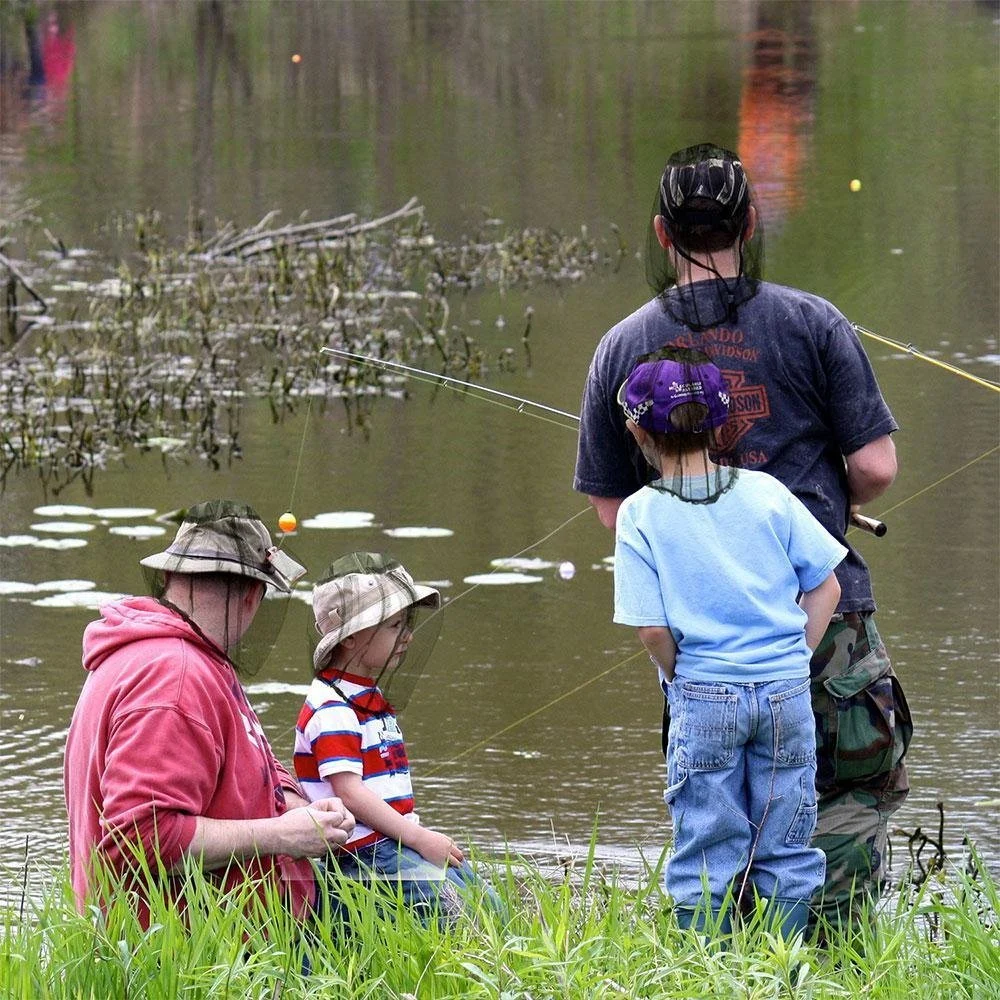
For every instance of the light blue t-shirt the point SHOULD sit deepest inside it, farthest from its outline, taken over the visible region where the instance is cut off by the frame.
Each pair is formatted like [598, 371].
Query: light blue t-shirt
[724, 576]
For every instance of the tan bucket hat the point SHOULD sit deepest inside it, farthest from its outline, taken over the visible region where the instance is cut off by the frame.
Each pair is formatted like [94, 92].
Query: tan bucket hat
[226, 536]
[360, 590]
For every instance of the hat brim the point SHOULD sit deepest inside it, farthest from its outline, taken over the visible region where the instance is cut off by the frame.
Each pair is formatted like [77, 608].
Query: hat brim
[423, 596]
[168, 562]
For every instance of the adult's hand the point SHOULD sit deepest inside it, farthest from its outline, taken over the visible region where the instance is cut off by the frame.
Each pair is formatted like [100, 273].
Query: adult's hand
[871, 470]
[310, 831]
[306, 832]
[607, 509]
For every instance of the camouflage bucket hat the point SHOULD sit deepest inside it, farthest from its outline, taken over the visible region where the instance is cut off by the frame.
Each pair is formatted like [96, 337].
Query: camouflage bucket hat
[226, 536]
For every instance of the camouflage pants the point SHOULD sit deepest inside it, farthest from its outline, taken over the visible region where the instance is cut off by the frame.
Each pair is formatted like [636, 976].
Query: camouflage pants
[863, 729]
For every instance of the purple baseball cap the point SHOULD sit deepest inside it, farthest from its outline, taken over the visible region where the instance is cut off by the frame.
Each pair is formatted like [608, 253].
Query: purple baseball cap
[654, 388]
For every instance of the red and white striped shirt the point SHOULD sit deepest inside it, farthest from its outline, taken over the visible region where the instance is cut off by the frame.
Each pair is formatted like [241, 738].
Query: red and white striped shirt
[347, 725]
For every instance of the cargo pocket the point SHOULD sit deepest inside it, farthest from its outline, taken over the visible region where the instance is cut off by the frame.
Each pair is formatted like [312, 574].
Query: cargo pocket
[676, 779]
[872, 719]
[803, 823]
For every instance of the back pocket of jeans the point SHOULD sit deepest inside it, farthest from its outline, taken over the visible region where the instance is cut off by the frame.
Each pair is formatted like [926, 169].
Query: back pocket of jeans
[794, 729]
[707, 727]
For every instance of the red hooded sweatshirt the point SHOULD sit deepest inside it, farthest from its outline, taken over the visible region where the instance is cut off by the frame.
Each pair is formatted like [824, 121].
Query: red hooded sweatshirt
[163, 733]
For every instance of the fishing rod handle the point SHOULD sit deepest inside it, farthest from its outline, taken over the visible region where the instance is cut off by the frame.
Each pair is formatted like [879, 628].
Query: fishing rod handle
[870, 524]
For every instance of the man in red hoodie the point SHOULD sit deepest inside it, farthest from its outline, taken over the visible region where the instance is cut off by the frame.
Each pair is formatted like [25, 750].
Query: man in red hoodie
[165, 759]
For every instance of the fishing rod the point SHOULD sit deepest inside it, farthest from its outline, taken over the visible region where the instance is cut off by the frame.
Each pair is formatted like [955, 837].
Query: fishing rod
[910, 349]
[861, 521]
[448, 380]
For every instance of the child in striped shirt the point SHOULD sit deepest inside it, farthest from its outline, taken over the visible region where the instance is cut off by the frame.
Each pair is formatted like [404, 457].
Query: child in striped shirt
[347, 739]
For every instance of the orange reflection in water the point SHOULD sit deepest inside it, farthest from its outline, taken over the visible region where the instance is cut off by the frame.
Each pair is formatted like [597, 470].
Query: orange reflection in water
[776, 119]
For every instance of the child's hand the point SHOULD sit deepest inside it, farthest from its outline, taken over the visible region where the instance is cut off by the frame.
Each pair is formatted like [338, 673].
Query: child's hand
[437, 848]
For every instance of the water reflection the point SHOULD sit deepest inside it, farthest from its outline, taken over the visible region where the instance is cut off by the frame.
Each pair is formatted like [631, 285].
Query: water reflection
[777, 107]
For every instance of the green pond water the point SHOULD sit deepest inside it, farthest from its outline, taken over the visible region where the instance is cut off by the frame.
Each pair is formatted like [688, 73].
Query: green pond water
[530, 724]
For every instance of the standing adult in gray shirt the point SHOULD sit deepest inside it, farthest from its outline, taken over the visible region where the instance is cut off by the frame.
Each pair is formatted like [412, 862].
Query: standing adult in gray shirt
[806, 408]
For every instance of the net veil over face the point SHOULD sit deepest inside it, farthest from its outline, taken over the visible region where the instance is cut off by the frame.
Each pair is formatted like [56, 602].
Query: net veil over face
[223, 574]
[704, 198]
[373, 620]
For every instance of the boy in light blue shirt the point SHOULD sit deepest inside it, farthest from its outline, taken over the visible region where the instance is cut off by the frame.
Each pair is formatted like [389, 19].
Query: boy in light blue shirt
[710, 563]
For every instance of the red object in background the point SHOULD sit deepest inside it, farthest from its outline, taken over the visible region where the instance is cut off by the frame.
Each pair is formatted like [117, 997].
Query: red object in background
[58, 56]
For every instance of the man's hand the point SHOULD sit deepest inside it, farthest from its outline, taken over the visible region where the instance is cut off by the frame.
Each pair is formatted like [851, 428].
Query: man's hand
[871, 470]
[607, 509]
[306, 832]
[310, 831]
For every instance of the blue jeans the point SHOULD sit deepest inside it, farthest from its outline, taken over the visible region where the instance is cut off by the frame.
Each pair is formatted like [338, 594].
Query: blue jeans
[741, 788]
[424, 886]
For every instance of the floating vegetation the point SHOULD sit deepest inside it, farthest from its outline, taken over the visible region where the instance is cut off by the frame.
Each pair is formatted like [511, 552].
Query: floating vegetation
[64, 510]
[341, 519]
[116, 513]
[501, 579]
[522, 562]
[418, 532]
[62, 527]
[277, 687]
[16, 587]
[139, 531]
[65, 586]
[18, 541]
[162, 353]
[89, 599]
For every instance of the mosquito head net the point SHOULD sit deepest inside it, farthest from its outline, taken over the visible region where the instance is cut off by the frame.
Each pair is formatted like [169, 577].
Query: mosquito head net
[715, 257]
[367, 610]
[223, 573]
[678, 398]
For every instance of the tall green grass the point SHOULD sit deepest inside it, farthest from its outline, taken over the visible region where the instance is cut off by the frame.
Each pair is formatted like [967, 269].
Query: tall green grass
[582, 937]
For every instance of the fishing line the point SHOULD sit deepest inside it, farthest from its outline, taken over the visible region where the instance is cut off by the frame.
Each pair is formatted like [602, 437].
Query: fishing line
[298, 463]
[498, 569]
[473, 390]
[938, 482]
[288, 522]
[604, 673]
[536, 711]
[910, 349]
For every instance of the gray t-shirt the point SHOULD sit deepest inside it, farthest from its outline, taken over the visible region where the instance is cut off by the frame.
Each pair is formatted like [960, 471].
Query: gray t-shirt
[803, 395]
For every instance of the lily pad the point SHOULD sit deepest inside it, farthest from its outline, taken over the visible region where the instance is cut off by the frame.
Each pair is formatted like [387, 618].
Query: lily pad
[92, 599]
[16, 541]
[340, 519]
[277, 687]
[518, 562]
[416, 532]
[60, 543]
[66, 586]
[114, 513]
[62, 527]
[501, 579]
[64, 510]
[137, 530]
